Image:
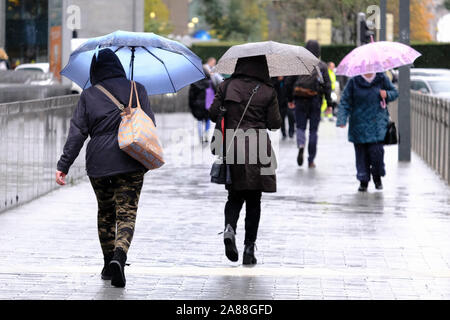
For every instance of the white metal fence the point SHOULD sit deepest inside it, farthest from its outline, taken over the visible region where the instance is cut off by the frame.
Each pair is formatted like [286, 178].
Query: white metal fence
[430, 131]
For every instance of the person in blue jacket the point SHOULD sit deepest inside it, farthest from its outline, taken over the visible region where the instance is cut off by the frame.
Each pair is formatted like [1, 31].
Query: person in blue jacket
[364, 104]
[115, 176]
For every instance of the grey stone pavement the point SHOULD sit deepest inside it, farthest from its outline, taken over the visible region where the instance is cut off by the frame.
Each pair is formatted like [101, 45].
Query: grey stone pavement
[319, 238]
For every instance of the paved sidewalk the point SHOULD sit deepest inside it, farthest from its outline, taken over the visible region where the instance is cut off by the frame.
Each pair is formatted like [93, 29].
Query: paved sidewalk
[319, 238]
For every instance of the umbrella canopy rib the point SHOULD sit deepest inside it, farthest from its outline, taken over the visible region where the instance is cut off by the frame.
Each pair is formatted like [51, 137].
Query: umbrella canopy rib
[168, 73]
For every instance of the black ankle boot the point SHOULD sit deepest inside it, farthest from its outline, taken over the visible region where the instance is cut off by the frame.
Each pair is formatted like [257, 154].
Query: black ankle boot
[249, 254]
[229, 240]
[300, 156]
[363, 186]
[106, 272]
[117, 267]
[377, 182]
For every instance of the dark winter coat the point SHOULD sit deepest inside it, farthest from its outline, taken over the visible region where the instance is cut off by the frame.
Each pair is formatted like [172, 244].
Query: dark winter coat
[98, 117]
[263, 113]
[360, 102]
[197, 97]
[280, 88]
[325, 88]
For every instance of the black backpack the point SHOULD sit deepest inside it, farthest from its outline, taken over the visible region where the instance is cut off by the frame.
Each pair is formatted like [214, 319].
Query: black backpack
[308, 86]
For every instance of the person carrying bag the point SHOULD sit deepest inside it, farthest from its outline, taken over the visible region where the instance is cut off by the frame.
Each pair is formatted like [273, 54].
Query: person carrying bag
[246, 103]
[116, 176]
[137, 132]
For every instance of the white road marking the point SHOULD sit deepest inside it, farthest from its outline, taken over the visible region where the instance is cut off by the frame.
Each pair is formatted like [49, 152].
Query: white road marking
[238, 271]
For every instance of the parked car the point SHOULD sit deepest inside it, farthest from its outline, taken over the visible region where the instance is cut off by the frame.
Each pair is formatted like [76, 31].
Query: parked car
[38, 67]
[39, 73]
[437, 86]
[429, 72]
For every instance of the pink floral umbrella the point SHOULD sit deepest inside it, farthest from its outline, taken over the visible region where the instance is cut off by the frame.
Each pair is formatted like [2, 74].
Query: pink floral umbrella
[376, 57]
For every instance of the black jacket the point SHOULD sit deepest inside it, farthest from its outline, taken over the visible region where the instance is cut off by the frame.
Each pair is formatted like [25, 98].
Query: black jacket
[263, 113]
[97, 117]
[197, 97]
[325, 89]
[280, 88]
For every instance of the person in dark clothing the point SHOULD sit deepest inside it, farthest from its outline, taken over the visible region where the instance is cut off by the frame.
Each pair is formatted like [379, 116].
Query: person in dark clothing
[249, 179]
[307, 106]
[116, 177]
[363, 105]
[201, 95]
[279, 83]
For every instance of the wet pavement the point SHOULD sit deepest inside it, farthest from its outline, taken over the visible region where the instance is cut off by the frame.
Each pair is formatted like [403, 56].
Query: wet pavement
[319, 238]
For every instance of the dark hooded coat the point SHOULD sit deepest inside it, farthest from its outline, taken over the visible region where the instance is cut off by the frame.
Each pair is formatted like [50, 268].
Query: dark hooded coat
[263, 113]
[325, 89]
[197, 97]
[97, 117]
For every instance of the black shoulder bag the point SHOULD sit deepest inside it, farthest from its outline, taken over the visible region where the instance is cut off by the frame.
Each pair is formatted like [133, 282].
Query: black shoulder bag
[391, 133]
[220, 171]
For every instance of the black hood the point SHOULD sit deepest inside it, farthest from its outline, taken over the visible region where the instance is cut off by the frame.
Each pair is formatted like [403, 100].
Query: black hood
[106, 66]
[314, 47]
[255, 67]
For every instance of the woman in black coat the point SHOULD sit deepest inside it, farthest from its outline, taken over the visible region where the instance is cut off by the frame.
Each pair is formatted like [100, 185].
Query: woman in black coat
[116, 177]
[250, 178]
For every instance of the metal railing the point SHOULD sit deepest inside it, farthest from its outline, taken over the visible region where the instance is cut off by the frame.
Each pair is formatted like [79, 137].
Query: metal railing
[32, 135]
[430, 131]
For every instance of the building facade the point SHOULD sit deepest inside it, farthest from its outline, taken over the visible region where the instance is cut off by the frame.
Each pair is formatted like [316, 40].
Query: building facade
[42, 30]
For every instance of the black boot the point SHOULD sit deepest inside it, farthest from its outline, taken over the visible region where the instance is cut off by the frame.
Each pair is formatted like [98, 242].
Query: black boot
[106, 272]
[363, 186]
[377, 181]
[117, 267]
[300, 156]
[249, 254]
[229, 240]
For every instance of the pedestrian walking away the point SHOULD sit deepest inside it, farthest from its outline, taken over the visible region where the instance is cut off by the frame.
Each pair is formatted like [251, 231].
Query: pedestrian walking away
[201, 96]
[115, 176]
[279, 84]
[250, 79]
[327, 112]
[305, 93]
[363, 104]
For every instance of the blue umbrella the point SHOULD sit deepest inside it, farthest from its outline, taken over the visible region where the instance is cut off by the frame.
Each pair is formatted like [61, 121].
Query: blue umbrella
[160, 64]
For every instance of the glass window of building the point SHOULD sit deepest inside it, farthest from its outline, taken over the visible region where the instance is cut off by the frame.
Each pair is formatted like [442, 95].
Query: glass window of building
[26, 31]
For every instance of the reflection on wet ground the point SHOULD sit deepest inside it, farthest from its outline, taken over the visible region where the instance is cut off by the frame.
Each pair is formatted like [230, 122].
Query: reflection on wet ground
[319, 238]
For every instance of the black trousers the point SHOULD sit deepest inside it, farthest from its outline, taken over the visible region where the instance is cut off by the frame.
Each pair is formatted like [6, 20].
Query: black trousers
[252, 199]
[369, 160]
[289, 113]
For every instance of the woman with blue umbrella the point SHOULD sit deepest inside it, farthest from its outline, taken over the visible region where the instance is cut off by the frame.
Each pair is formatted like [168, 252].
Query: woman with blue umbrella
[160, 65]
[115, 176]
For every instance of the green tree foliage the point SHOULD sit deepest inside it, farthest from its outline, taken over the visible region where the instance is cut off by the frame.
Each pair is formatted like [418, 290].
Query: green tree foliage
[236, 20]
[447, 4]
[157, 17]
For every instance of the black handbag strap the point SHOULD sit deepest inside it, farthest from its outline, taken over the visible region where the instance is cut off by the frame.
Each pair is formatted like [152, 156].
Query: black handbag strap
[243, 114]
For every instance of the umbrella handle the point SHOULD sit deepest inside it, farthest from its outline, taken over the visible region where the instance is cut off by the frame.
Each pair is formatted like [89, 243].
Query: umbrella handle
[383, 103]
[132, 62]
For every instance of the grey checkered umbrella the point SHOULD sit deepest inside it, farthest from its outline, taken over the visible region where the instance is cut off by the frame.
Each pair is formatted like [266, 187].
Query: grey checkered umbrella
[282, 59]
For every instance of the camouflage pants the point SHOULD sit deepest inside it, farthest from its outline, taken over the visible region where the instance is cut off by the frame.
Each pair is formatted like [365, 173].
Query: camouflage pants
[117, 198]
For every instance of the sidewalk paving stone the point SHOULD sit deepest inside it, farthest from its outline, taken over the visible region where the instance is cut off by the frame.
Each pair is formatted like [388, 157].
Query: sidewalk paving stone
[319, 238]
